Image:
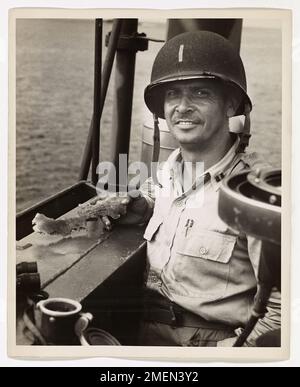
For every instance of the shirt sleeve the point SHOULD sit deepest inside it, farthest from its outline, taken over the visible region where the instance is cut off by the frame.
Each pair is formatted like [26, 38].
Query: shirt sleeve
[272, 319]
[148, 191]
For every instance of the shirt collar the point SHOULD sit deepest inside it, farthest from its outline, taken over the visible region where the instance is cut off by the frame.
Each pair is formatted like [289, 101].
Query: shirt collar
[216, 171]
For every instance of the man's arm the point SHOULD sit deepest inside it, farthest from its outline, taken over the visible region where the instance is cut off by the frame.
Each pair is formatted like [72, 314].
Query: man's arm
[140, 205]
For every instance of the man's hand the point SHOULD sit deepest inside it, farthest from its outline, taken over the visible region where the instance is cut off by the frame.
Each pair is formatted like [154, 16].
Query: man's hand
[230, 342]
[138, 210]
[111, 207]
[227, 342]
[123, 203]
[131, 208]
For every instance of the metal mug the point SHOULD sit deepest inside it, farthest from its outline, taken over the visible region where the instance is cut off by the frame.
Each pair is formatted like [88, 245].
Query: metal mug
[61, 321]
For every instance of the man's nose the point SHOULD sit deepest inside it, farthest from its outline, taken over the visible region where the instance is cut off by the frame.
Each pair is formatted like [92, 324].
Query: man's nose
[184, 105]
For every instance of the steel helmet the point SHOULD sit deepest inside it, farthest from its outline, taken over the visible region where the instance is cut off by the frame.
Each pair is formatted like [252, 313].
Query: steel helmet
[193, 55]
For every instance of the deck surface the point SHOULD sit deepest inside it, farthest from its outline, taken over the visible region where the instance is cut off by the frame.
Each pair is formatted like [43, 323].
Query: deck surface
[73, 267]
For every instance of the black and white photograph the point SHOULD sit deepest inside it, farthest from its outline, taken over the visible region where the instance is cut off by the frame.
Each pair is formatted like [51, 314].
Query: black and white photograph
[151, 164]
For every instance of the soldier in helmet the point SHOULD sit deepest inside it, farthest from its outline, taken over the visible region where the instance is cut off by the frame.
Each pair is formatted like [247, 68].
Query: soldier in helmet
[202, 276]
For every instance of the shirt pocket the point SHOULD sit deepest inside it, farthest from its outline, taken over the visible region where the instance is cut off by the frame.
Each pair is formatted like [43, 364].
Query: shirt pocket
[202, 264]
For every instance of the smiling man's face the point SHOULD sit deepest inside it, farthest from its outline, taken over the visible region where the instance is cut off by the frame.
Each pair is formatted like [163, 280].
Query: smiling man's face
[196, 112]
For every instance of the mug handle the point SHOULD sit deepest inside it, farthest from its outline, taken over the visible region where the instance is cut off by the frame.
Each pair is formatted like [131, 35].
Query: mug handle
[82, 323]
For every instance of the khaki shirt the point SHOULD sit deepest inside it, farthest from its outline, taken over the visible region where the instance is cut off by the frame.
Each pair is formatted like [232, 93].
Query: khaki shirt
[194, 258]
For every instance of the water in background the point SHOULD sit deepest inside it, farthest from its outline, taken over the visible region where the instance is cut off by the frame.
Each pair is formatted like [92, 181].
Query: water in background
[54, 92]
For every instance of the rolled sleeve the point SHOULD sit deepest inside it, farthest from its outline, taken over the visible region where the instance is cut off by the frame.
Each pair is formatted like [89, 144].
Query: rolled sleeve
[148, 191]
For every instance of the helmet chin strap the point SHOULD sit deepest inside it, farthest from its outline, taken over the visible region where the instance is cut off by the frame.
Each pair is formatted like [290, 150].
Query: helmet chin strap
[155, 153]
[245, 135]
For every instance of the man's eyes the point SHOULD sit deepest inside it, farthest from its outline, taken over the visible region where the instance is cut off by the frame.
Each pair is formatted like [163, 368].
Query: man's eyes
[171, 93]
[194, 93]
[200, 93]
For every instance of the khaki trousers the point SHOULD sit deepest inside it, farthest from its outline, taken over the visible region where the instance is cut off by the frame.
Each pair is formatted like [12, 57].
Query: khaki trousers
[159, 334]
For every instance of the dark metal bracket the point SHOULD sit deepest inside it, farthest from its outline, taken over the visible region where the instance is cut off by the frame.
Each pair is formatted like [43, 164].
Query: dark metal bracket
[135, 42]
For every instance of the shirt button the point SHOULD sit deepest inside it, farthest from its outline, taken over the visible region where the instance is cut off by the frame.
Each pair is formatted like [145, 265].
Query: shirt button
[203, 251]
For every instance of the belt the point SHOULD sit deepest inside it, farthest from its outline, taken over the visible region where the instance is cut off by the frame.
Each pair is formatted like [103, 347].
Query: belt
[160, 309]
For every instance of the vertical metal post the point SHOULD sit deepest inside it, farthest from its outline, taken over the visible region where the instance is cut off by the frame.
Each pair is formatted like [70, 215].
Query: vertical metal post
[123, 93]
[97, 98]
[107, 68]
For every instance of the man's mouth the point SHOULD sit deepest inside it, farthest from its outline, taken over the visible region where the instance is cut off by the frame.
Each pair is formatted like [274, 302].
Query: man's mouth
[186, 124]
